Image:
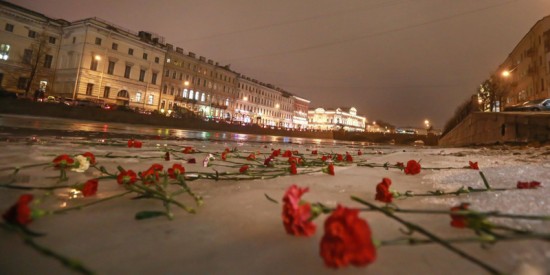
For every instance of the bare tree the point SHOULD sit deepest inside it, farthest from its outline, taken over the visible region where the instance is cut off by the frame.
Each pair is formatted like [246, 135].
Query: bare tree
[492, 93]
[36, 58]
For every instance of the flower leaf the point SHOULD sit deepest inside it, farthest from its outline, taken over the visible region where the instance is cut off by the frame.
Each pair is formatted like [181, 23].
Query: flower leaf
[149, 214]
[271, 199]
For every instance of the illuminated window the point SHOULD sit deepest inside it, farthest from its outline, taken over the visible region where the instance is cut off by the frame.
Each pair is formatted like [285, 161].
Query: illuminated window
[4, 51]
[184, 93]
[150, 99]
[203, 98]
[138, 97]
[191, 94]
[197, 95]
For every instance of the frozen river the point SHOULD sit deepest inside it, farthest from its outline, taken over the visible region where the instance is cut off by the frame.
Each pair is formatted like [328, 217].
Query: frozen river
[237, 230]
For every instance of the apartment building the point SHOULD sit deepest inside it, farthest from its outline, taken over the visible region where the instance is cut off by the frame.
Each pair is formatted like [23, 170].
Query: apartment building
[526, 70]
[198, 85]
[101, 61]
[29, 49]
[336, 119]
[263, 104]
[300, 110]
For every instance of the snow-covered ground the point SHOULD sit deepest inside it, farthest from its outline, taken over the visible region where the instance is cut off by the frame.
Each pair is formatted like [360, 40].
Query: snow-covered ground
[238, 231]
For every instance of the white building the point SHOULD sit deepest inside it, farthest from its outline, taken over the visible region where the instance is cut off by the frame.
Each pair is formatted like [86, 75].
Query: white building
[334, 120]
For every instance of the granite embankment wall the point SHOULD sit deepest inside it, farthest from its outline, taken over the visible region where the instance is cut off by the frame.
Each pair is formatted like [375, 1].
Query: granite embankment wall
[25, 107]
[499, 128]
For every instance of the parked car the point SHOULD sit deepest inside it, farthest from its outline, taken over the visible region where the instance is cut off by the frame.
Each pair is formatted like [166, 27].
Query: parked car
[7, 94]
[532, 105]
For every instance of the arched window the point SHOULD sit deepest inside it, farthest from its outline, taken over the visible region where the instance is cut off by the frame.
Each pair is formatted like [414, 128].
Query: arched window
[197, 96]
[191, 94]
[227, 102]
[123, 93]
[184, 93]
[203, 97]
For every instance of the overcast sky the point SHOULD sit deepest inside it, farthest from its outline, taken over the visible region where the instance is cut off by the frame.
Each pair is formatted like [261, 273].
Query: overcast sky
[402, 61]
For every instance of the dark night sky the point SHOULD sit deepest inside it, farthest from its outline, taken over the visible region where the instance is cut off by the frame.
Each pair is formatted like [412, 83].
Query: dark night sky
[401, 61]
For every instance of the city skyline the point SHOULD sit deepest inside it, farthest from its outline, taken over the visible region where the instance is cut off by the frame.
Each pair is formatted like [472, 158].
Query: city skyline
[399, 61]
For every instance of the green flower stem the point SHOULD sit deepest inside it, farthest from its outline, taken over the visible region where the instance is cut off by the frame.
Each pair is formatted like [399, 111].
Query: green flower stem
[72, 264]
[78, 207]
[484, 180]
[18, 168]
[483, 239]
[156, 194]
[197, 198]
[495, 214]
[428, 234]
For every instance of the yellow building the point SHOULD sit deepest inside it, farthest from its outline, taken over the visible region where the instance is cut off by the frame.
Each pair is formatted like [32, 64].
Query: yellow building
[526, 70]
[334, 120]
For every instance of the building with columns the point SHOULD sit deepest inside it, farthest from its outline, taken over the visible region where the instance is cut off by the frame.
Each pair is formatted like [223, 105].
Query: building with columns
[103, 62]
[526, 70]
[334, 120]
[300, 111]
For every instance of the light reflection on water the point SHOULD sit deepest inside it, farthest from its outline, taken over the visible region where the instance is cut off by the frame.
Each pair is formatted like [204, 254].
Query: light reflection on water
[46, 123]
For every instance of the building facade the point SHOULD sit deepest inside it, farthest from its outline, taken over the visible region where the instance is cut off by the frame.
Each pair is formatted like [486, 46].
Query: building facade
[300, 110]
[103, 62]
[526, 70]
[29, 49]
[262, 104]
[197, 85]
[334, 120]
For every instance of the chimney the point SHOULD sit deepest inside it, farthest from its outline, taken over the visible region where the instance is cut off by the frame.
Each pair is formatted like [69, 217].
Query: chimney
[179, 50]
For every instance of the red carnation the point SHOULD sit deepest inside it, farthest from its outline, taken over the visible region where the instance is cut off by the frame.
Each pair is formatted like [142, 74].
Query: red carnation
[90, 157]
[339, 157]
[473, 165]
[251, 157]
[188, 150]
[412, 168]
[296, 214]
[267, 161]
[276, 153]
[192, 160]
[176, 170]
[331, 169]
[325, 158]
[528, 185]
[224, 154]
[349, 158]
[347, 239]
[167, 156]
[62, 161]
[400, 164]
[128, 177]
[459, 221]
[359, 153]
[314, 152]
[383, 193]
[89, 188]
[20, 212]
[134, 143]
[243, 169]
[287, 154]
[293, 169]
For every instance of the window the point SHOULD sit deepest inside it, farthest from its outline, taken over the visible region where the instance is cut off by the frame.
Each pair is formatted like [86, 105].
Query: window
[181, 76]
[145, 56]
[172, 90]
[111, 68]
[48, 61]
[174, 75]
[157, 60]
[22, 83]
[32, 34]
[203, 97]
[89, 89]
[74, 39]
[164, 89]
[114, 46]
[4, 51]
[27, 56]
[170, 105]
[154, 78]
[150, 99]
[162, 103]
[191, 94]
[127, 71]
[167, 73]
[197, 96]
[184, 93]
[98, 41]
[138, 97]
[9, 27]
[106, 92]
[131, 51]
[141, 75]
[52, 40]
[93, 66]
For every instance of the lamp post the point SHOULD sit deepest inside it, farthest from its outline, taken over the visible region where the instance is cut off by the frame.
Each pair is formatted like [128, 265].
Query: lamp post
[98, 59]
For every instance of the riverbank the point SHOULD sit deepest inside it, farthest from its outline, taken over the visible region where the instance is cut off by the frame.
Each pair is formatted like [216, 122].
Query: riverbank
[24, 107]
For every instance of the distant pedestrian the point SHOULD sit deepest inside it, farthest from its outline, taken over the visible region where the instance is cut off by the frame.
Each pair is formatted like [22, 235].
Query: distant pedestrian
[36, 94]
